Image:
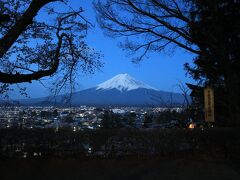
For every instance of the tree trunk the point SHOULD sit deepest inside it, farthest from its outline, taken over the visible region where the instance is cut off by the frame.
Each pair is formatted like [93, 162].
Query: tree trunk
[233, 89]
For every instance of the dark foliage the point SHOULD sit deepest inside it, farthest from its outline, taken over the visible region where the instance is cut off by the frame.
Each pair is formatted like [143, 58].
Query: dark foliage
[44, 143]
[216, 27]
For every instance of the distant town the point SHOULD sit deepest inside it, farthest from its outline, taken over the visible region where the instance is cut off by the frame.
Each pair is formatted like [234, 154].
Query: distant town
[88, 118]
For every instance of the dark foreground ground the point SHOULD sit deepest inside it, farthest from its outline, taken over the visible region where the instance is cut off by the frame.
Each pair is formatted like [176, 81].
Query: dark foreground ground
[177, 154]
[146, 169]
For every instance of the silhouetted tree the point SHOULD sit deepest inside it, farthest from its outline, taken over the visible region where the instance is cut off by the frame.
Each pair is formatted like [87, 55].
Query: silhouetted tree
[33, 113]
[208, 29]
[153, 24]
[46, 114]
[68, 118]
[216, 22]
[4, 18]
[130, 119]
[106, 120]
[55, 113]
[111, 120]
[33, 46]
[148, 119]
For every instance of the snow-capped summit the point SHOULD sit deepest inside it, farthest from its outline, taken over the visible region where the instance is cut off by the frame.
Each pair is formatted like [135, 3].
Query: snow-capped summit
[121, 90]
[123, 82]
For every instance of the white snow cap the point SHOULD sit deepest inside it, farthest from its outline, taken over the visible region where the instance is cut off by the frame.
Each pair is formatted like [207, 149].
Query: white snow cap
[123, 82]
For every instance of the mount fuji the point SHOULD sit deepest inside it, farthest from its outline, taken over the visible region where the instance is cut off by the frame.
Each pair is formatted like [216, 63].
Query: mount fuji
[121, 90]
[123, 82]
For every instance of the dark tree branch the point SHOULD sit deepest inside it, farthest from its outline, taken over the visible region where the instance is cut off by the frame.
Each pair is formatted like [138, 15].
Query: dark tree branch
[19, 78]
[60, 44]
[153, 19]
[164, 23]
[27, 19]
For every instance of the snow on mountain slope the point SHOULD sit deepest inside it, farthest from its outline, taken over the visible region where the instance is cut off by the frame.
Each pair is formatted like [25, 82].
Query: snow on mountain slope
[121, 90]
[123, 82]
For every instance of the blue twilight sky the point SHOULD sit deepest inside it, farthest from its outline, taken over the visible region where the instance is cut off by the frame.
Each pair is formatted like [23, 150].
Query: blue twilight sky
[160, 70]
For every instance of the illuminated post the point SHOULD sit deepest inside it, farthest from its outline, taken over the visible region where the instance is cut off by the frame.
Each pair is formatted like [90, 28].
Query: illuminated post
[209, 104]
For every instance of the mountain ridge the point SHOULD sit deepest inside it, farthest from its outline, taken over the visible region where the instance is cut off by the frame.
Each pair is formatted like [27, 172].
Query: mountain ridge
[121, 90]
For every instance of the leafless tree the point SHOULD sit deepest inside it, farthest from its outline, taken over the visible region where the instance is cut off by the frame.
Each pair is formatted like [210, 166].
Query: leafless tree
[153, 25]
[208, 29]
[37, 41]
[185, 93]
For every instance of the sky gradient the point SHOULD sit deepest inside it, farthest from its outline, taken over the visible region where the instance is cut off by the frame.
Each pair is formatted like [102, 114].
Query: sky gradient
[162, 71]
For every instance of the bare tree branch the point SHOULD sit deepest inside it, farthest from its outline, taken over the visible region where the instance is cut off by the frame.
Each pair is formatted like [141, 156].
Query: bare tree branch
[147, 21]
[31, 50]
